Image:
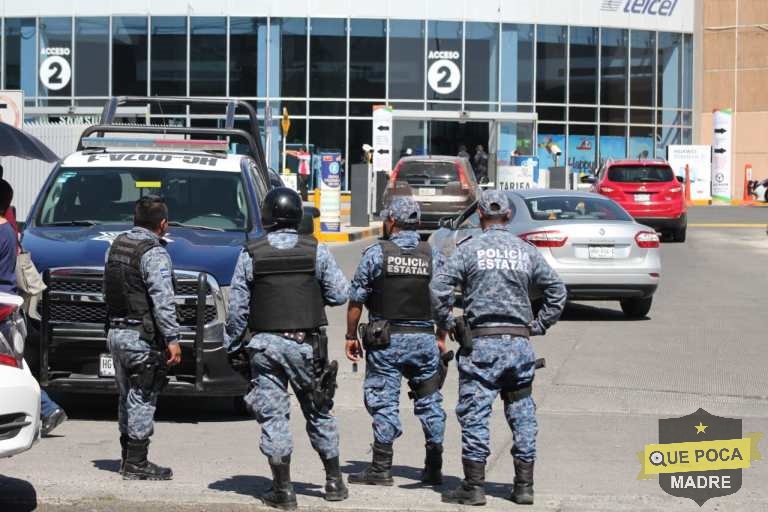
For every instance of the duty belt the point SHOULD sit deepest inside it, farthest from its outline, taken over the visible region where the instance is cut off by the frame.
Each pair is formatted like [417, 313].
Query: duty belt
[402, 329]
[123, 323]
[297, 336]
[502, 330]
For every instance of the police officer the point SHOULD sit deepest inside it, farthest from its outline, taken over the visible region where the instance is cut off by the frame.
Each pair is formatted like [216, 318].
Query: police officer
[279, 291]
[392, 281]
[495, 270]
[143, 335]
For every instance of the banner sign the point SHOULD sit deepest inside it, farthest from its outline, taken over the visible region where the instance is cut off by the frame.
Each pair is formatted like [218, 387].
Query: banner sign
[514, 177]
[382, 138]
[722, 123]
[699, 162]
[330, 192]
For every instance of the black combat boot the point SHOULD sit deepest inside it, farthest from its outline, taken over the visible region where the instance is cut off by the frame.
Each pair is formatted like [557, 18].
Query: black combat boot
[522, 494]
[335, 490]
[380, 470]
[433, 465]
[281, 495]
[471, 490]
[137, 467]
[124, 451]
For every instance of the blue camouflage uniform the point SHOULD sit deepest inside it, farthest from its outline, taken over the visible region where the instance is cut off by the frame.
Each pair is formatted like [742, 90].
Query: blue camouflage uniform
[495, 270]
[136, 410]
[276, 361]
[415, 354]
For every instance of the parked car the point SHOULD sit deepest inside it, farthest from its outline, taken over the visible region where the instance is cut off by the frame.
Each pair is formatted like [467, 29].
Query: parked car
[594, 245]
[443, 185]
[649, 191]
[19, 394]
[213, 198]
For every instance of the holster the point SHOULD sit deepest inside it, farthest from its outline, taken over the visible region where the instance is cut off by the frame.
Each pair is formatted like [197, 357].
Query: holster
[240, 363]
[325, 372]
[463, 336]
[434, 383]
[375, 334]
[151, 375]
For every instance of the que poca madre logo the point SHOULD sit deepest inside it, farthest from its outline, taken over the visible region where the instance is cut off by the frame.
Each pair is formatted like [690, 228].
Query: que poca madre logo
[699, 456]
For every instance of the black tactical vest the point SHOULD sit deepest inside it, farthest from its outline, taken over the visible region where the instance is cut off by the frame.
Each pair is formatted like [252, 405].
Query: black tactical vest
[401, 291]
[285, 293]
[125, 292]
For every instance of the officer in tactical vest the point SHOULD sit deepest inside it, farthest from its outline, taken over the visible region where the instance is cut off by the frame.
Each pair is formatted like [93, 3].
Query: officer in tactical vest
[143, 335]
[281, 285]
[495, 271]
[392, 281]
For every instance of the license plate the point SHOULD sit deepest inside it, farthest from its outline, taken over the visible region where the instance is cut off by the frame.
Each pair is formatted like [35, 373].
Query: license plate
[106, 366]
[642, 198]
[427, 191]
[600, 252]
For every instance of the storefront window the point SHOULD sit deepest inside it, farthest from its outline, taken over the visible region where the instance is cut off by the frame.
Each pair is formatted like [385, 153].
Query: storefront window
[288, 57]
[613, 142]
[360, 132]
[327, 136]
[640, 142]
[20, 55]
[550, 64]
[670, 69]
[481, 63]
[582, 148]
[444, 60]
[643, 66]
[517, 63]
[406, 59]
[551, 145]
[208, 57]
[129, 56]
[55, 48]
[169, 56]
[367, 59]
[247, 56]
[92, 53]
[583, 64]
[666, 135]
[688, 71]
[328, 58]
[613, 68]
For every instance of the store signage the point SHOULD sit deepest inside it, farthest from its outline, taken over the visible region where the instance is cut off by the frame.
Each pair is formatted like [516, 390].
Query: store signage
[698, 159]
[382, 139]
[648, 7]
[330, 192]
[55, 71]
[444, 73]
[722, 121]
[12, 108]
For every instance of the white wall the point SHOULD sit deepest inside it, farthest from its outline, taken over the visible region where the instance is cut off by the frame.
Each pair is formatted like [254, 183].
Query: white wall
[573, 12]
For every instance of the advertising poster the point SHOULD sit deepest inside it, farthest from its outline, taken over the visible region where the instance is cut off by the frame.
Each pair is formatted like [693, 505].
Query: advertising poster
[581, 153]
[699, 162]
[330, 195]
[722, 123]
[612, 146]
[641, 148]
[551, 150]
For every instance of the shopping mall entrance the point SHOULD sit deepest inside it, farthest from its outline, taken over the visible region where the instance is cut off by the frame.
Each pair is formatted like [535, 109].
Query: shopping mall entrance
[502, 134]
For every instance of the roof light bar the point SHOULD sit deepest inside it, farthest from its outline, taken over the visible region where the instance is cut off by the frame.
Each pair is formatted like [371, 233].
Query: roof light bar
[152, 143]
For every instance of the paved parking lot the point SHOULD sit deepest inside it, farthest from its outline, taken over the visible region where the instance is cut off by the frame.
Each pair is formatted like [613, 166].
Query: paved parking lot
[606, 384]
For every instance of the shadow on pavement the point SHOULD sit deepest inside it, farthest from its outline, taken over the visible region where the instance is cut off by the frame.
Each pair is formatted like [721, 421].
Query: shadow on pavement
[111, 465]
[254, 485]
[585, 313]
[169, 408]
[17, 495]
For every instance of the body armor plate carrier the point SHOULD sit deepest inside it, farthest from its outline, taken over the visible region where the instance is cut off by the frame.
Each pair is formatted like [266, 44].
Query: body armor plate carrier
[285, 292]
[401, 291]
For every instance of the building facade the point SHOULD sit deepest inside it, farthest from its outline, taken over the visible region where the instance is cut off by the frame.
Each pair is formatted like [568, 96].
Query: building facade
[605, 78]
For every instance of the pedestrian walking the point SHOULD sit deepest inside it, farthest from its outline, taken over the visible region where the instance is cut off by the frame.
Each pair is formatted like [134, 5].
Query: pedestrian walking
[495, 270]
[392, 281]
[281, 285]
[143, 335]
[480, 164]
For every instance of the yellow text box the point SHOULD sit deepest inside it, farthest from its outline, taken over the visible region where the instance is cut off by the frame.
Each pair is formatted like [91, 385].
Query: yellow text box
[149, 184]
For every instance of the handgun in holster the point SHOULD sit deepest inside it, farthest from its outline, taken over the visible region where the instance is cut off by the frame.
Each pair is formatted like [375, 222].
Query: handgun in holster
[325, 373]
[151, 375]
[240, 363]
[463, 335]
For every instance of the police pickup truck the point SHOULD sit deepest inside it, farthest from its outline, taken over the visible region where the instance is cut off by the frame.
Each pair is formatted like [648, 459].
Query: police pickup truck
[213, 198]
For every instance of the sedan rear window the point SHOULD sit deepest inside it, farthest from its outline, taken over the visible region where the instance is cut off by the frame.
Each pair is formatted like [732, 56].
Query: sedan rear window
[574, 208]
[427, 173]
[640, 174]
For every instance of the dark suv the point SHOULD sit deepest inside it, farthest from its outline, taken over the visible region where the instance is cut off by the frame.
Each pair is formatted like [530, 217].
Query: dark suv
[444, 186]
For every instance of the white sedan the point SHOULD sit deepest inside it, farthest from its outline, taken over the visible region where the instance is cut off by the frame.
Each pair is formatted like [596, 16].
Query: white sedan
[19, 392]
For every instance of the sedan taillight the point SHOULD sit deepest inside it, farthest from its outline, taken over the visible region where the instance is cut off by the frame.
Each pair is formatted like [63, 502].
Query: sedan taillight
[675, 190]
[545, 238]
[606, 190]
[6, 360]
[647, 240]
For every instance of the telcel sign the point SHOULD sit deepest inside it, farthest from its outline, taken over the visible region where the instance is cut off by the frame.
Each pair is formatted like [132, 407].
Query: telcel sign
[650, 7]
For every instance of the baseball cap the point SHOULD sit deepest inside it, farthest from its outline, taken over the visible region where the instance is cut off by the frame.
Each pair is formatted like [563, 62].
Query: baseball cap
[493, 203]
[403, 209]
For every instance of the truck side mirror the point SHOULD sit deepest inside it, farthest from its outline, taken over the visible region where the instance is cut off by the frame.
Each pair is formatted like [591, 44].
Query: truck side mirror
[307, 226]
[588, 179]
[680, 179]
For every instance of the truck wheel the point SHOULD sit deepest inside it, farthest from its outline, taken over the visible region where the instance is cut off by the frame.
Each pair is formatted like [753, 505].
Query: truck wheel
[240, 407]
[636, 308]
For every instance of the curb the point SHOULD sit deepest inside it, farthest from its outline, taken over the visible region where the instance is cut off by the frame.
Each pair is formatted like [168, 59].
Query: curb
[349, 237]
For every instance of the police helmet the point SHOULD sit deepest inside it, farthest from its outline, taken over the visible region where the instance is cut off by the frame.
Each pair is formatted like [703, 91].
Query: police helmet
[282, 208]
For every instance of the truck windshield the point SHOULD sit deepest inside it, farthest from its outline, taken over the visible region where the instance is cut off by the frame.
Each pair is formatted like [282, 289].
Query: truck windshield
[203, 199]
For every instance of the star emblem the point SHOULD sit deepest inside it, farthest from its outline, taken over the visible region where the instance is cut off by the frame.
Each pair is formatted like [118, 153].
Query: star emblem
[700, 428]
